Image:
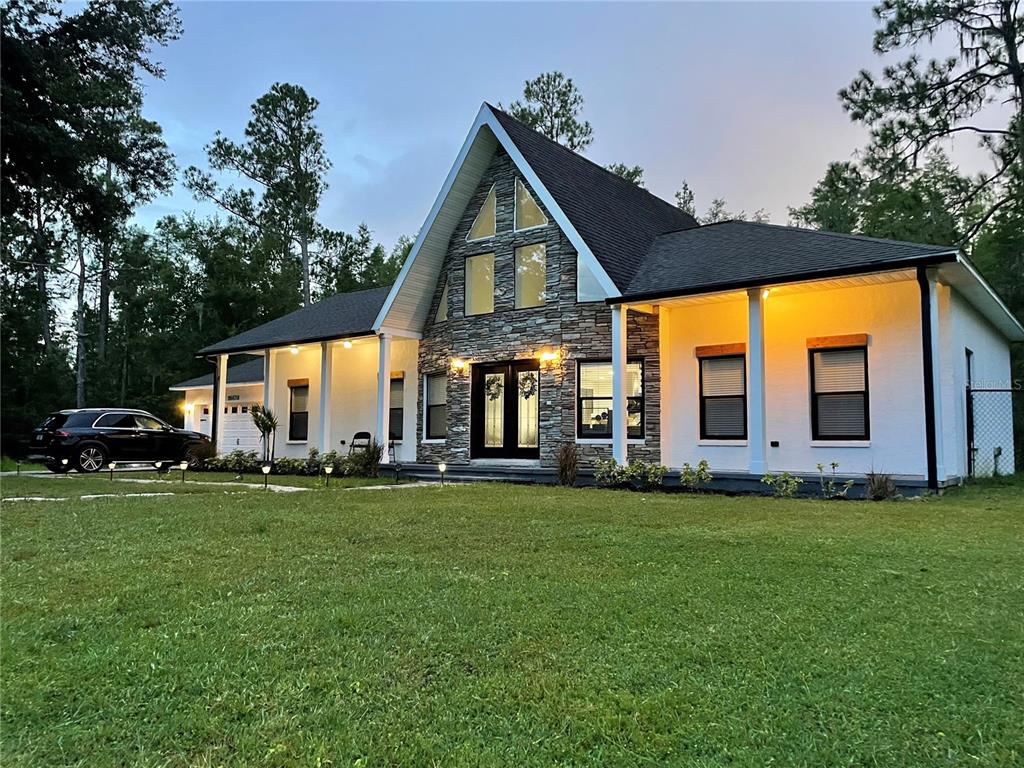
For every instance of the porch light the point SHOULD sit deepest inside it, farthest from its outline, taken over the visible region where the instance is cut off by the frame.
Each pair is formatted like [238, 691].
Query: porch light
[186, 407]
[549, 357]
[293, 349]
[441, 468]
[346, 344]
[765, 292]
[458, 365]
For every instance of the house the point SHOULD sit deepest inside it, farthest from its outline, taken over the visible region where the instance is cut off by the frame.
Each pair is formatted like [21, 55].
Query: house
[548, 301]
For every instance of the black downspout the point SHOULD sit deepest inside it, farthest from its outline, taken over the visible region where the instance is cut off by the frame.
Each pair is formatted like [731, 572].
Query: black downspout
[929, 377]
[214, 422]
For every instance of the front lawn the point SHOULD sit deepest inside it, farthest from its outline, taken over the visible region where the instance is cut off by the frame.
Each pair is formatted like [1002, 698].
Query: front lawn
[507, 625]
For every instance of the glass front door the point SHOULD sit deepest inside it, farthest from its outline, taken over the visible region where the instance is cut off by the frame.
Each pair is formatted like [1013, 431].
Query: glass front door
[505, 418]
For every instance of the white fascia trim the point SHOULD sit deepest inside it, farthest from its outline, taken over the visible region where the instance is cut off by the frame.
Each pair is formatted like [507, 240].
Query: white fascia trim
[397, 333]
[995, 296]
[549, 202]
[431, 217]
[486, 117]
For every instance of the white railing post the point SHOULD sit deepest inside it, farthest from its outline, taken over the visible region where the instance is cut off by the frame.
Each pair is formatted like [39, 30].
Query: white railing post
[619, 404]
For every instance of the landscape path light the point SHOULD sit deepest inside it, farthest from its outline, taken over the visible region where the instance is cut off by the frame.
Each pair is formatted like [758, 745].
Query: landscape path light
[327, 471]
[183, 466]
[266, 475]
[112, 466]
[441, 468]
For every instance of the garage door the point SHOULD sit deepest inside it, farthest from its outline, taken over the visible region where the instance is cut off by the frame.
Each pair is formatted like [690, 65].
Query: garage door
[239, 431]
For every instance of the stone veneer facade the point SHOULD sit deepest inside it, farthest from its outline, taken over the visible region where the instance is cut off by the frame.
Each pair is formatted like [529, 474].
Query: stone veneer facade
[578, 331]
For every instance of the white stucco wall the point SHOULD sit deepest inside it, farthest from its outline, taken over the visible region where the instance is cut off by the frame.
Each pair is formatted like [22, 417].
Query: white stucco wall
[196, 399]
[962, 328]
[889, 313]
[353, 393]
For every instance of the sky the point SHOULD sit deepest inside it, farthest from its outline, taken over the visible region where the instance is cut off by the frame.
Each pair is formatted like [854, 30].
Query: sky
[738, 99]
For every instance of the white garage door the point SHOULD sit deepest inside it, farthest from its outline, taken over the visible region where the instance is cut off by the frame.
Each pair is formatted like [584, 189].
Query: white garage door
[239, 431]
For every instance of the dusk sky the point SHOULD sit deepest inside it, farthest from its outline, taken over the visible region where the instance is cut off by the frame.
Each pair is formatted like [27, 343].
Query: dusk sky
[738, 99]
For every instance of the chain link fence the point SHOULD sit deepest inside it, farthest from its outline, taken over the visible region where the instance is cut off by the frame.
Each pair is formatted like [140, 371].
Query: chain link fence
[995, 432]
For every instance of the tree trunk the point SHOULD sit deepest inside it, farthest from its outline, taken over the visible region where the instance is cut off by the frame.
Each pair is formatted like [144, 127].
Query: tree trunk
[124, 359]
[104, 319]
[40, 257]
[80, 327]
[304, 247]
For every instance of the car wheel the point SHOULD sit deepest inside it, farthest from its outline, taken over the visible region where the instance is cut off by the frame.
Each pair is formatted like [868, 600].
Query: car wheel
[91, 458]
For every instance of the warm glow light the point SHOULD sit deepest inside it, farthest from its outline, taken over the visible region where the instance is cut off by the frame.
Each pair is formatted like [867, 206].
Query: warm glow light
[293, 349]
[329, 468]
[187, 407]
[442, 467]
[112, 465]
[183, 466]
[548, 356]
[347, 344]
[266, 469]
[458, 364]
[765, 292]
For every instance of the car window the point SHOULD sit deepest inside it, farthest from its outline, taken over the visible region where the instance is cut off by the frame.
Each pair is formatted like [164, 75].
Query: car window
[54, 421]
[148, 422]
[121, 420]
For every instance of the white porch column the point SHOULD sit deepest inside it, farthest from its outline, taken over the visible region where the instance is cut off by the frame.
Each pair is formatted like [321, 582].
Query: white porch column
[220, 400]
[269, 372]
[619, 416]
[755, 386]
[326, 377]
[383, 393]
[936, 345]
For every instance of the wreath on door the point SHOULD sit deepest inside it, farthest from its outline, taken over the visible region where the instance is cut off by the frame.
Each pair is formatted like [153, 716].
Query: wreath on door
[493, 387]
[527, 384]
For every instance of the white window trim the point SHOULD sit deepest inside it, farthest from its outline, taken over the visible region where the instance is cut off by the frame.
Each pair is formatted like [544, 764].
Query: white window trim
[604, 441]
[642, 359]
[724, 442]
[473, 223]
[515, 209]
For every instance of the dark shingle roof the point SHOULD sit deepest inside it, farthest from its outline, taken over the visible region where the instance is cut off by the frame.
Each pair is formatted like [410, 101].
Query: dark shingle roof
[344, 314]
[735, 254]
[249, 372]
[617, 219]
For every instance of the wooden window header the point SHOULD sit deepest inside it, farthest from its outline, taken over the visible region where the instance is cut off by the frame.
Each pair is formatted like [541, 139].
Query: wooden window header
[298, 382]
[717, 350]
[849, 340]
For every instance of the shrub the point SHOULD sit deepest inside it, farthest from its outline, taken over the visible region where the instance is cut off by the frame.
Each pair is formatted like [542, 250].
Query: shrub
[365, 463]
[238, 461]
[692, 479]
[289, 466]
[568, 463]
[829, 487]
[784, 486]
[645, 475]
[334, 459]
[881, 487]
[203, 452]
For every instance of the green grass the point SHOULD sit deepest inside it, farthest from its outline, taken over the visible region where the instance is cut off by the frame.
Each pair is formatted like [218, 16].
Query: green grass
[502, 625]
[7, 464]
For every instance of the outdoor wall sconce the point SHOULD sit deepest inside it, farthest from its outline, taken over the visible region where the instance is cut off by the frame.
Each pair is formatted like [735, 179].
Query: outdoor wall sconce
[186, 407]
[765, 292]
[346, 344]
[548, 358]
[459, 365]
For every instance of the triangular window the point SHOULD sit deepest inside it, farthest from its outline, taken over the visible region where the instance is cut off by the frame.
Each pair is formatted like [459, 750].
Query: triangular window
[483, 224]
[528, 213]
[442, 305]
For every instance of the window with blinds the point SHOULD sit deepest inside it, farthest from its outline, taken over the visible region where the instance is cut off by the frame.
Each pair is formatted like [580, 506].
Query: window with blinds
[435, 403]
[723, 398]
[594, 400]
[839, 394]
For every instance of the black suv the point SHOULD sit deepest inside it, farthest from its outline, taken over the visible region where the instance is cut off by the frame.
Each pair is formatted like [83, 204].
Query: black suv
[90, 438]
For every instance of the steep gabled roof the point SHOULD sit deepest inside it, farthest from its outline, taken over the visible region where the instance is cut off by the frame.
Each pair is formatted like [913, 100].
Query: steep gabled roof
[336, 317]
[736, 254]
[616, 218]
[249, 372]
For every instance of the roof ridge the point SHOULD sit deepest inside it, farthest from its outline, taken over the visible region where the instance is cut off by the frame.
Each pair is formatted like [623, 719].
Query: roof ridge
[586, 159]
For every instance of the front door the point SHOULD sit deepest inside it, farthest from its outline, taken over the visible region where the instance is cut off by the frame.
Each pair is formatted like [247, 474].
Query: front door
[505, 417]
